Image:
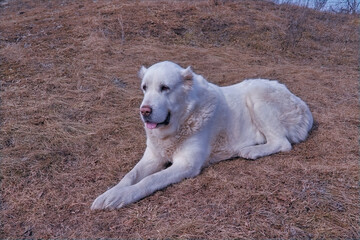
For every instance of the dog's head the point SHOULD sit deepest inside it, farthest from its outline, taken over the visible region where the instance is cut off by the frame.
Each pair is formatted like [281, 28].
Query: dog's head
[165, 86]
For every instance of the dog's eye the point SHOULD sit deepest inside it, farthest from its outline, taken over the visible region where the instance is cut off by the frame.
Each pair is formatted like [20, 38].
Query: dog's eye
[144, 87]
[164, 88]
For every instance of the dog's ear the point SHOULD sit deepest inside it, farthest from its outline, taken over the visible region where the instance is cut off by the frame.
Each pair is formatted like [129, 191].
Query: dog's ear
[187, 74]
[142, 72]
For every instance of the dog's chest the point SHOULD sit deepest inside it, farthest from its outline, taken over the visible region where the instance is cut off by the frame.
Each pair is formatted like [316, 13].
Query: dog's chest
[165, 147]
[220, 149]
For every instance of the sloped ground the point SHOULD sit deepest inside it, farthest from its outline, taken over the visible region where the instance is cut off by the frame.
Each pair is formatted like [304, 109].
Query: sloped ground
[70, 125]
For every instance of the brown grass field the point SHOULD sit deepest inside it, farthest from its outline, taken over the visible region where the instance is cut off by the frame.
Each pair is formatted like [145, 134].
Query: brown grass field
[70, 125]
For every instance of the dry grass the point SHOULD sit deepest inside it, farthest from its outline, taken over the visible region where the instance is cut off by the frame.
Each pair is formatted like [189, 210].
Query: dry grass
[70, 125]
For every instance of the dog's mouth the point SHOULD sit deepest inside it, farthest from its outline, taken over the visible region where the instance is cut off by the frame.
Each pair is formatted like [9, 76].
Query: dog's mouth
[152, 125]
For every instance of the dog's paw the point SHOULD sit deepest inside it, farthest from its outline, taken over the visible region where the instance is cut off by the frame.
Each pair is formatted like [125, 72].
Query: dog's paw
[112, 199]
[250, 153]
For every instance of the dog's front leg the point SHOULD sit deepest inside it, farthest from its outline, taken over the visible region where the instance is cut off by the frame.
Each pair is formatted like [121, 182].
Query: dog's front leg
[148, 164]
[185, 165]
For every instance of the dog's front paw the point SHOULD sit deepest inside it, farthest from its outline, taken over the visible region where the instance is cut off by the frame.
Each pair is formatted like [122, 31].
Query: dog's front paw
[111, 199]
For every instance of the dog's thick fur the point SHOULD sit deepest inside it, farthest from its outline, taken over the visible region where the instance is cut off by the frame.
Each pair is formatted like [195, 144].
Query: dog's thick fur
[191, 123]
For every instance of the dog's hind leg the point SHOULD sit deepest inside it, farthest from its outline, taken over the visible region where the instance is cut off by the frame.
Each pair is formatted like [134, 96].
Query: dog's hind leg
[266, 118]
[271, 147]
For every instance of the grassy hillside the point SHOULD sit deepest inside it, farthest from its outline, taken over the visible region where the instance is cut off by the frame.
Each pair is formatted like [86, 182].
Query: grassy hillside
[70, 125]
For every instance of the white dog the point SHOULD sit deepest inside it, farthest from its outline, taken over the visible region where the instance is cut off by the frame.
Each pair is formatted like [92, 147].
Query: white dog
[191, 123]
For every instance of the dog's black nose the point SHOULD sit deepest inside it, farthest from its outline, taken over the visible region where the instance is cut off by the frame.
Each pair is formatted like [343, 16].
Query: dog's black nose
[145, 111]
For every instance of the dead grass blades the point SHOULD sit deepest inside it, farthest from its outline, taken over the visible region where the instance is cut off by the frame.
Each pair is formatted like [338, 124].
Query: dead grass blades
[70, 126]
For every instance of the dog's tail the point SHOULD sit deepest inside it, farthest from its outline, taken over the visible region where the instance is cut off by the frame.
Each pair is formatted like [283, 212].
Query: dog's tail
[298, 122]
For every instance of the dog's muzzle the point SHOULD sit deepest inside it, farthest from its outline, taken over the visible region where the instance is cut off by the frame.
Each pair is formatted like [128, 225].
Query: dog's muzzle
[146, 115]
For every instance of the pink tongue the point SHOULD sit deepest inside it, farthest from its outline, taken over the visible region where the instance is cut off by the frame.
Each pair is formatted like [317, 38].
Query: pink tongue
[151, 125]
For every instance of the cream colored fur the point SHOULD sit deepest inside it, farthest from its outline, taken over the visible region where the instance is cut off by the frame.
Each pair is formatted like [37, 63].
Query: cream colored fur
[207, 124]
